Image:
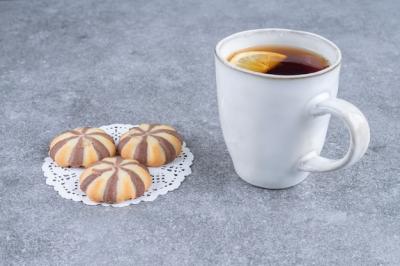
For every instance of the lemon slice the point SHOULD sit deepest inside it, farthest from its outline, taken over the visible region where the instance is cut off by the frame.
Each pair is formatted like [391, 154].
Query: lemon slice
[257, 61]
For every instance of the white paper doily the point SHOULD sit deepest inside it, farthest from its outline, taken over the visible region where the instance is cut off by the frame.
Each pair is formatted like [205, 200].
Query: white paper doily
[165, 178]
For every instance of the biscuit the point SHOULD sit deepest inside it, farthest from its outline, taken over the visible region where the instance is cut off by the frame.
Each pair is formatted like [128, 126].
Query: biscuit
[81, 147]
[151, 144]
[114, 180]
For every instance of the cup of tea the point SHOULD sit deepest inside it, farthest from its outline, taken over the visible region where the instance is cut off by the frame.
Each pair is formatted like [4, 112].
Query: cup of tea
[277, 89]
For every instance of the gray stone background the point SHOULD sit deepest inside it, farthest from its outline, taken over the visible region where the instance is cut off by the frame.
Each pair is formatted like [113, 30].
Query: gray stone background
[65, 64]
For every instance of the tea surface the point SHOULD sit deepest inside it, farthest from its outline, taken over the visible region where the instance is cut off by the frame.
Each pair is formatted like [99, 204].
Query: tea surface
[266, 59]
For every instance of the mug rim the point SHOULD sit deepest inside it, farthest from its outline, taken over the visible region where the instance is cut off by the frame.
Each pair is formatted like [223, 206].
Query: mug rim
[271, 76]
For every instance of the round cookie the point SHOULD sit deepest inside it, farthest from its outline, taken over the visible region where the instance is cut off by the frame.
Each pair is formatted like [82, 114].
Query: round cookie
[81, 147]
[113, 180]
[152, 145]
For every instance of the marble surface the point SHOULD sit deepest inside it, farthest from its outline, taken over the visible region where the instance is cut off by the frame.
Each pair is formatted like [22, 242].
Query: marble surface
[65, 64]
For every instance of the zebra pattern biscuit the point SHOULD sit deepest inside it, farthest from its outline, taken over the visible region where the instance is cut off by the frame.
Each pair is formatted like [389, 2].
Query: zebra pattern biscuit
[151, 144]
[113, 180]
[81, 147]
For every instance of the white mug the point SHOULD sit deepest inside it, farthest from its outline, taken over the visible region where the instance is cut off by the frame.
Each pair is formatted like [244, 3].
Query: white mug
[275, 126]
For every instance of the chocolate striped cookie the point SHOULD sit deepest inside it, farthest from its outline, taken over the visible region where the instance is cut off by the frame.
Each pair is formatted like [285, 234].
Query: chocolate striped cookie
[81, 147]
[113, 180]
[151, 145]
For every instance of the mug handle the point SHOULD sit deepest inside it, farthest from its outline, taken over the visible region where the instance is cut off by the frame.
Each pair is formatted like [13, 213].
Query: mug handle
[356, 124]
